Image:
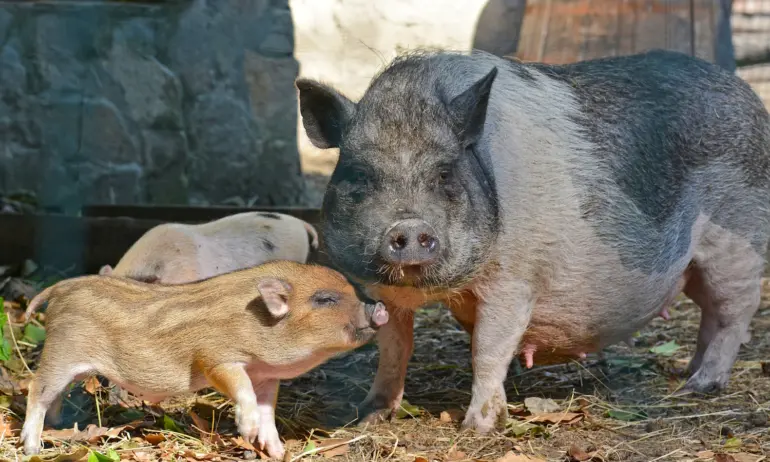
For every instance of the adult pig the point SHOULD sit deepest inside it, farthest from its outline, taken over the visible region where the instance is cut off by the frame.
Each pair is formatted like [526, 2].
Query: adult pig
[555, 209]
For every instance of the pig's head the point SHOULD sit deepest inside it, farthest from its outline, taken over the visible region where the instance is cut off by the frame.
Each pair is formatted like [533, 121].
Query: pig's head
[316, 308]
[411, 201]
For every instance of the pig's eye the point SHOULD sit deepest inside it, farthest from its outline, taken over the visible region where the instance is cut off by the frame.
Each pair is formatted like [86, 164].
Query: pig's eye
[444, 175]
[324, 300]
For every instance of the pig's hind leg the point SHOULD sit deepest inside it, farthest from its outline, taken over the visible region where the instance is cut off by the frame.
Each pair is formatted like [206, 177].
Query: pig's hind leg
[45, 394]
[725, 282]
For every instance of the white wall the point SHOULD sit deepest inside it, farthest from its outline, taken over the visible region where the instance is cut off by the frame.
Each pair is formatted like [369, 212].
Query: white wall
[345, 42]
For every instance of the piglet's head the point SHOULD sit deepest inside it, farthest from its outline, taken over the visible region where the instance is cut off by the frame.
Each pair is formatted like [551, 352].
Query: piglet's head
[316, 308]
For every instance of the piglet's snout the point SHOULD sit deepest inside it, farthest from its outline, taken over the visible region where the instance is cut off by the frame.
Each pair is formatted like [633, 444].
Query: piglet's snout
[377, 314]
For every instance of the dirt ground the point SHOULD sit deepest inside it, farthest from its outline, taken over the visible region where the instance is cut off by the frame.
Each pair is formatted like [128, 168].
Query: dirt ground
[618, 408]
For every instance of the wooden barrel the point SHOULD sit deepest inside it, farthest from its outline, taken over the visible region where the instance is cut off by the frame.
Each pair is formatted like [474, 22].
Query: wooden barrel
[563, 31]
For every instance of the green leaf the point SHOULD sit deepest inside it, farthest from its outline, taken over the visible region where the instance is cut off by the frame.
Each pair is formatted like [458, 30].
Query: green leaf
[33, 334]
[309, 446]
[733, 443]
[131, 414]
[170, 425]
[5, 349]
[518, 428]
[626, 415]
[111, 456]
[407, 410]
[5, 345]
[666, 349]
[5, 401]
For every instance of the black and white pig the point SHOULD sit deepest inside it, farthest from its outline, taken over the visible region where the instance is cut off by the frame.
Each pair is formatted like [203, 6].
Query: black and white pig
[555, 209]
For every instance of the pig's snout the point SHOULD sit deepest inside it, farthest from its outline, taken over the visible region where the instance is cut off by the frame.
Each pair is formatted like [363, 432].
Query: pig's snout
[378, 315]
[411, 242]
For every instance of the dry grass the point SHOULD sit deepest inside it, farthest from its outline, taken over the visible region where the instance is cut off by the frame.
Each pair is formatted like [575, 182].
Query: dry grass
[321, 405]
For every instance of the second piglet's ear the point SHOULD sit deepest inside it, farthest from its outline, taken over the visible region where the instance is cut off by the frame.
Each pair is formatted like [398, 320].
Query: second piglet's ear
[275, 295]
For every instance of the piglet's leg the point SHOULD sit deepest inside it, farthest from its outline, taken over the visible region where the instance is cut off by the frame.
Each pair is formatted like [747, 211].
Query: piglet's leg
[234, 382]
[267, 394]
[395, 341]
[501, 319]
[44, 392]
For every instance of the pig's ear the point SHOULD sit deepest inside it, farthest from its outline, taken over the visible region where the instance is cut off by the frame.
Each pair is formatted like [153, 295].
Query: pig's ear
[275, 295]
[325, 112]
[105, 270]
[469, 108]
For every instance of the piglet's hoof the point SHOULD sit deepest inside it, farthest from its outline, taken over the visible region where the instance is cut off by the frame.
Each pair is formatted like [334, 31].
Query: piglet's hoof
[373, 412]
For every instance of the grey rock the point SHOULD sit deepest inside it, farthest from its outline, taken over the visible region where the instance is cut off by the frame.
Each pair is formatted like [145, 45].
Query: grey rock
[182, 102]
[225, 147]
[105, 137]
[165, 159]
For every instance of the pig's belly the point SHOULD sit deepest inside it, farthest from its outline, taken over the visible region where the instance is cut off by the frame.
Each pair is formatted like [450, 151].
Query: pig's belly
[565, 327]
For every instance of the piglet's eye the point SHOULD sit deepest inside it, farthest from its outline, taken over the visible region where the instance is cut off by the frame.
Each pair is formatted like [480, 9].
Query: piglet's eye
[324, 300]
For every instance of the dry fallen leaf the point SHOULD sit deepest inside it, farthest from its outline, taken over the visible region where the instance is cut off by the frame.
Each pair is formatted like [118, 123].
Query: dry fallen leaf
[746, 457]
[332, 447]
[91, 385]
[575, 453]
[566, 418]
[201, 424]
[336, 451]
[142, 456]
[511, 457]
[451, 415]
[81, 453]
[8, 425]
[154, 438]
[540, 405]
[241, 443]
[724, 458]
[455, 455]
[705, 455]
[420, 459]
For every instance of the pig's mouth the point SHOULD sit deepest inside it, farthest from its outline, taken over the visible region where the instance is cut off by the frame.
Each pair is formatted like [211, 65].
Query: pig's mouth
[405, 275]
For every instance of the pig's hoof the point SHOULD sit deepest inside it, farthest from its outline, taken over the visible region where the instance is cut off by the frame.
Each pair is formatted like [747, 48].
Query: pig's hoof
[248, 423]
[375, 411]
[701, 384]
[270, 441]
[482, 422]
[375, 416]
[31, 445]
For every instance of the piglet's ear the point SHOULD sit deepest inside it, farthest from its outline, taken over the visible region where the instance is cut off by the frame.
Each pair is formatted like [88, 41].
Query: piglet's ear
[275, 295]
[105, 270]
[469, 108]
[325, 112]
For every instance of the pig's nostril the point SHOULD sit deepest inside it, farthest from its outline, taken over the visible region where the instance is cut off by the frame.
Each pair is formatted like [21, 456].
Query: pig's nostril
[427, 241]
[398, 242]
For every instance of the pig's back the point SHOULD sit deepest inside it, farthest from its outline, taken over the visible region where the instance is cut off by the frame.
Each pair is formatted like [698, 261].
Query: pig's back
[674, 138]
[252, 238]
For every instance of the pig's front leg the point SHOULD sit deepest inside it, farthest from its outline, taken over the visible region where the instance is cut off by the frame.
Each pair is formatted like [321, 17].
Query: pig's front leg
[267, 394]
[395, 341]
[501, 319]
[233, 381]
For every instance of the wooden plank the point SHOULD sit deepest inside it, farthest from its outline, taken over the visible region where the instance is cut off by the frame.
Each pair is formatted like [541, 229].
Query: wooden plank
[80, 245]
[564, 31]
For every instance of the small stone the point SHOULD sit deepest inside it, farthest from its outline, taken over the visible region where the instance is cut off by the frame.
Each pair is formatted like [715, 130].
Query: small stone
[758, 419]
[249, 455]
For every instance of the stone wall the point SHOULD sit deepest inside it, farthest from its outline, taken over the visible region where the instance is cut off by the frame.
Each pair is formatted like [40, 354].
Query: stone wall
[173, 102]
